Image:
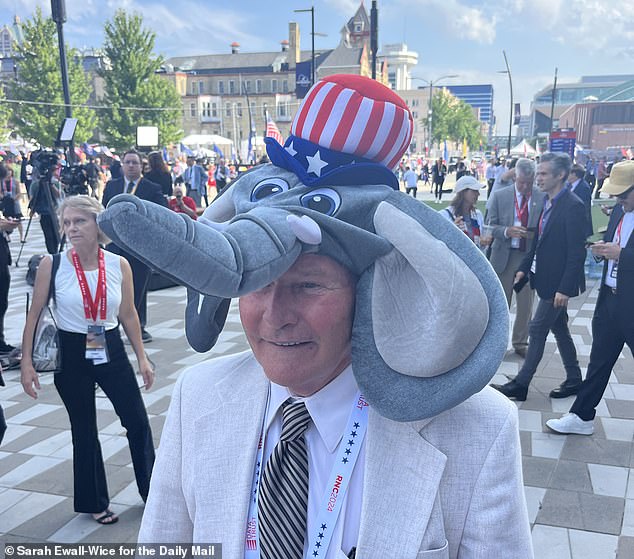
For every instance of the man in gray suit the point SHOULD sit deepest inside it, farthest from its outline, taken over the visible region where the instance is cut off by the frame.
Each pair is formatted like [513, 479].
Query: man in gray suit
[513, 214]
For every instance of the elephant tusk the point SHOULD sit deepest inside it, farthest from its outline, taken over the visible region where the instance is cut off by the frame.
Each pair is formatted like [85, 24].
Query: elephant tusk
[305, 228]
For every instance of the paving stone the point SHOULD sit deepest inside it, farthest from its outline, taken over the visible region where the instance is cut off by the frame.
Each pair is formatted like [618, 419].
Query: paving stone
[550, 542]
[538, 471]
[590, 545]
[46, 523]
[597, 451]
[57, 480]
[623, 409]
[30, 438]
[526, 442]
[626, 548]
[571, 476]
[583, 511]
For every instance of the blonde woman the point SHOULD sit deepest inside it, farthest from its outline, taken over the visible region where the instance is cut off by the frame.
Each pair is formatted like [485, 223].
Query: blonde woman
[93, 294]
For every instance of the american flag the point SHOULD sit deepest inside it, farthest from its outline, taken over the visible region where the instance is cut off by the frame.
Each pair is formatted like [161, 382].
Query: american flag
[272, 131]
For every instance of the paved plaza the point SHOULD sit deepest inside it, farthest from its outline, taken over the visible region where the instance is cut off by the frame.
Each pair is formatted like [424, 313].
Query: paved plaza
[580, 490]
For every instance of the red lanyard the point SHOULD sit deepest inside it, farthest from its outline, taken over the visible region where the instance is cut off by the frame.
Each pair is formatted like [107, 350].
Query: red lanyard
[524, 209]
[617, 236]
[90, 305]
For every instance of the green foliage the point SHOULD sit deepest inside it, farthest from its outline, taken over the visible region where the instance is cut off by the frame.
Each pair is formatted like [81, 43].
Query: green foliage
[130, 80]
[5, 111]
[39, 79]
[453, 119]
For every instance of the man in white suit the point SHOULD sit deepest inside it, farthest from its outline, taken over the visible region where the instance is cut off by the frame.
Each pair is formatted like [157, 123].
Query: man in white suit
[350, 424]
[514, 213]
[449, 486]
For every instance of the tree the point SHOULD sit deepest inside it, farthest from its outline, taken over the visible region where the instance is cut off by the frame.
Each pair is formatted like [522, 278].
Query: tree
[453, 119]
[130, 80]
[40, 81]
[4, 115]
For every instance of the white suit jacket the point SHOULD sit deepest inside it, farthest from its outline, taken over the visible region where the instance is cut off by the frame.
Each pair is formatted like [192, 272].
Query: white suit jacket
[449, 486]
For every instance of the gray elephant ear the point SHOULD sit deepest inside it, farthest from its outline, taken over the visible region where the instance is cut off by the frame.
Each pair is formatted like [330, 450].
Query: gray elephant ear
[431, 320]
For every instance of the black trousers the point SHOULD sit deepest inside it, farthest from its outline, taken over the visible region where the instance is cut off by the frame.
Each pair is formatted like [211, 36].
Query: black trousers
[5, 281]
[51, 235]
[140, 281]
[76, 384]
[612, 328]
[438, 184]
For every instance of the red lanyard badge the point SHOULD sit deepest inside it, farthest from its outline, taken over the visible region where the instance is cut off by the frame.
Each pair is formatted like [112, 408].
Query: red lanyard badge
[99, 302]
[522, 212]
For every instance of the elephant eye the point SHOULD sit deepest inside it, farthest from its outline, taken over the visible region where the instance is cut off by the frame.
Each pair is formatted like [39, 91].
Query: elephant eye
[268, 187]
[322, 200]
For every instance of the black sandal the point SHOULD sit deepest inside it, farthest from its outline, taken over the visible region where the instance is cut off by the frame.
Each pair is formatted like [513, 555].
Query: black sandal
[107, 518]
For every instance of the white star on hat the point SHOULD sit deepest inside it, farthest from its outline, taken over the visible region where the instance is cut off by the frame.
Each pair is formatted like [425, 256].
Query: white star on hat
[291, 150]
[315, 163]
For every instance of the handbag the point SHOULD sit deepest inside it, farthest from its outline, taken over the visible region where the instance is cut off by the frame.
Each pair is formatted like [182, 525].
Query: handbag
[47, 355]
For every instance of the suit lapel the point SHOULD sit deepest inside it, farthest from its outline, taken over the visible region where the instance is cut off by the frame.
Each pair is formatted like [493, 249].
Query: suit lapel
[229, 435]
[397, 500]
[559, 207]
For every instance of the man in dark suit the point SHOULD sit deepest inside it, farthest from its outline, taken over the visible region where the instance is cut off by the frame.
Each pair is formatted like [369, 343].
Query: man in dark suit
[613, 321]
[581, 188]
[133, 183]
[554, 266]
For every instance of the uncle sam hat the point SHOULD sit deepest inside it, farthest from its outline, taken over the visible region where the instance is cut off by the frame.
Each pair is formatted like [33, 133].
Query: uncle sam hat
[348, 130]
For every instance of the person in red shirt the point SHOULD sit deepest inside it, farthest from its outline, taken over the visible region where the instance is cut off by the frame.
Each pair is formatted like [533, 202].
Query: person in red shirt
[182, 204]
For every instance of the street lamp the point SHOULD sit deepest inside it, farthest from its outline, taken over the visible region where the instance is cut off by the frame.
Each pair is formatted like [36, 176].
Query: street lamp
[508, 71]
[431, 83]
[312, 35]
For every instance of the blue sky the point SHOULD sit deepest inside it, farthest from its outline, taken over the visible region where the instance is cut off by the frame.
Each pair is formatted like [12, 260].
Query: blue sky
[464, 37]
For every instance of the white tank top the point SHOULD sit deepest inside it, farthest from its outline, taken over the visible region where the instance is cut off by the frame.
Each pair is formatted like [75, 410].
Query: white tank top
[69, 307]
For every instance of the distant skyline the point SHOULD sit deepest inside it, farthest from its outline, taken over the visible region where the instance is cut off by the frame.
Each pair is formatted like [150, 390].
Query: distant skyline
[463, 37]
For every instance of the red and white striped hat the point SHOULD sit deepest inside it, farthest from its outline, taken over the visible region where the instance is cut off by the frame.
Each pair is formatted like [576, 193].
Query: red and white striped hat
[346, 121]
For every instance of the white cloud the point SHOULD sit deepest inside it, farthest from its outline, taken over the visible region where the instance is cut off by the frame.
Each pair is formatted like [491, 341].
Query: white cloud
[461, 20]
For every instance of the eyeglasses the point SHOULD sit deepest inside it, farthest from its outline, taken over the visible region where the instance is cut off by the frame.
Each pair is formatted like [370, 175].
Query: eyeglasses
[131, 162]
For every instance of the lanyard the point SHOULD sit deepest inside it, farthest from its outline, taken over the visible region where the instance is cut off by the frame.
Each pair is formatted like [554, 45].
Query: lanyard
[345, 459]
[617, 235]
[523, 210]
[99, 303]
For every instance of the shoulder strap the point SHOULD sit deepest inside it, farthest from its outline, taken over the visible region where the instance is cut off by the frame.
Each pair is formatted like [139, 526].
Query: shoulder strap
[51, 286]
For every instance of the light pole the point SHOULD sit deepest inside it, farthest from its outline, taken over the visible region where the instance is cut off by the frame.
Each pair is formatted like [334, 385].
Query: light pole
[312, 36]
[508, 71]
[431, 83]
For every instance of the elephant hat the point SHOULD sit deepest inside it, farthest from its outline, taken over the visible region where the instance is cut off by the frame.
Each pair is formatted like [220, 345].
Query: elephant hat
[431, 321]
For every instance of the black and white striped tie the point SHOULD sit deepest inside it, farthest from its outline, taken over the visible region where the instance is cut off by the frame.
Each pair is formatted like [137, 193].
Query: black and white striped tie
[284, 489]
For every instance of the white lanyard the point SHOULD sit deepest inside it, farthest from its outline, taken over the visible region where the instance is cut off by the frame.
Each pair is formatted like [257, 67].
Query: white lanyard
[338, 481]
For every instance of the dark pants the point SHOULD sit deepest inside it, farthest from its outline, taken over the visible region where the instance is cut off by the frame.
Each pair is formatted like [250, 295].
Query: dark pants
[612, 328]
[597, 192]
[438, 182]
[548, 318]
[51, 235]
[5, 281]
[412, 190]
[76, 386]
[140, 280]
[3, 425]
[490, 183]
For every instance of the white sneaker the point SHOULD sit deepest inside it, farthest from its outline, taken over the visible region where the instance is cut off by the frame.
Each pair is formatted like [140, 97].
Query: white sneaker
[571, 424]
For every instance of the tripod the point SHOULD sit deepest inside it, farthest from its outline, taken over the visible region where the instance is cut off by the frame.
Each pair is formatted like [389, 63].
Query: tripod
[28, 226]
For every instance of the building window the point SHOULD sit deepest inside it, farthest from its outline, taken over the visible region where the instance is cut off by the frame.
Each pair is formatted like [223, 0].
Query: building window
[232, 87]
[201, 87]
[358, 27]
[192, 110]
[258, 86]
[273, 86]
[247, 84]
[221, 87]
[285, 86]
[214, 110]
[415, 114]
[253, 108]
[240, 109]
[193, 88]
[227, 109]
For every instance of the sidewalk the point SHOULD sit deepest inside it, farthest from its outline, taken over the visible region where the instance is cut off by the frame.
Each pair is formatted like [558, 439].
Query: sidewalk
[580, 490]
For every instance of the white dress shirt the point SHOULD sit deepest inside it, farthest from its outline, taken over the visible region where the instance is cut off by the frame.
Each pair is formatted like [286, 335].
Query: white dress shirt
[626, 230]
[329, 410]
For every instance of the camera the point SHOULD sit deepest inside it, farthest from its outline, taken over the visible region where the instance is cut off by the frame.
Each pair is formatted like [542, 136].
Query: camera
[74, 180]
[44, 162]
